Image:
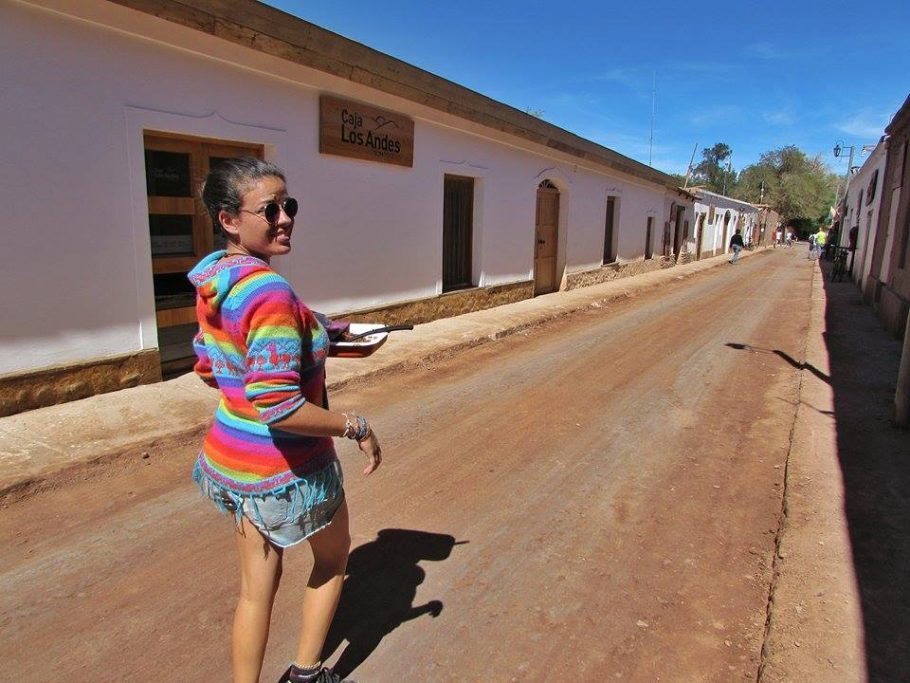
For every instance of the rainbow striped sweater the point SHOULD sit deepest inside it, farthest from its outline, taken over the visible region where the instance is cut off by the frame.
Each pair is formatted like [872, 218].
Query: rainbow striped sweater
[265, 351]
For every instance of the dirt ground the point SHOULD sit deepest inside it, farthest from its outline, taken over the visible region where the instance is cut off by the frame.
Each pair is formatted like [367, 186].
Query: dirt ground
[601, 498]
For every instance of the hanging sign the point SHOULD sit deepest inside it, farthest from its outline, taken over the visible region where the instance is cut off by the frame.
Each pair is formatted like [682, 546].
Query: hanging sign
[356, 130]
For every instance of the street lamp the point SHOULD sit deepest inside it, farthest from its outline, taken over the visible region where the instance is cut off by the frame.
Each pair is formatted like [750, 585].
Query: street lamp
[839, 148]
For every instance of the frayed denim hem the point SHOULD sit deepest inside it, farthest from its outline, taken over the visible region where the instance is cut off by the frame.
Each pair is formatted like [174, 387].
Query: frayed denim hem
[287, 514]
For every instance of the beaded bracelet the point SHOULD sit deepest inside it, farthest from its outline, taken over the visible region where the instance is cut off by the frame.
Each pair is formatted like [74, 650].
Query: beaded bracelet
[356, 427]
[350, 428]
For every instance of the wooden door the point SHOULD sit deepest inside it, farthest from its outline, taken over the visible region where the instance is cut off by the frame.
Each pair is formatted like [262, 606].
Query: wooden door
[609, 237]
[546, 233]
[649, 239]
[181, 233]
[457, 232]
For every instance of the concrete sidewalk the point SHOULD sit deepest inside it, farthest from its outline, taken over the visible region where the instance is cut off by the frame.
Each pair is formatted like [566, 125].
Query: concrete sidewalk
[840, 604]
[40, 445]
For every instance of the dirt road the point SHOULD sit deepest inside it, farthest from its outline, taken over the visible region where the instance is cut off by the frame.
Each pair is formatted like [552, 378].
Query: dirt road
[597, 499]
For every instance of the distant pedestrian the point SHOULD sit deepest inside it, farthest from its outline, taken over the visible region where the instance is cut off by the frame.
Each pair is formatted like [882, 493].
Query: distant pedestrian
[269, 457]
[821, 239]
[736, 244]
[811, 254]
[778, 237]
[789, 238]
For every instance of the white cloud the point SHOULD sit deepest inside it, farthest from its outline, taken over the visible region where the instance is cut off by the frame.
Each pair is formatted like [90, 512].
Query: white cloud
[865, 124]
[784, 116]
[626, 76]
[762, 51]
[638, 147]
[710, 114]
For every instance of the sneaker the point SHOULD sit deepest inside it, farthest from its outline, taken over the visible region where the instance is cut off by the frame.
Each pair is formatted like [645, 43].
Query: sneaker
[325, 675]
[329, 676]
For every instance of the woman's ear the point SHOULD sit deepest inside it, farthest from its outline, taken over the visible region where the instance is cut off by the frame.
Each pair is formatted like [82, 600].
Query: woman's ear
[228, 223]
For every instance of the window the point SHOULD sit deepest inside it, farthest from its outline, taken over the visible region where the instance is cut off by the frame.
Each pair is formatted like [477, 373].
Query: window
[870, 189]
[900, 164]
[181, 233]
[457, 232]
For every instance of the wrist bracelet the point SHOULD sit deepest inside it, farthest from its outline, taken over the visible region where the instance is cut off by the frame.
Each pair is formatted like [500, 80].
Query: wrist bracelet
[356, 427]
[350, 428]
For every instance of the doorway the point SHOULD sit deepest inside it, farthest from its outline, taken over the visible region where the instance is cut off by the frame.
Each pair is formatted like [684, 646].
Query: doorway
[649, 239]
[457, 232]
[609, 231]
[546, 234]
[723, 244]
[678, 229]
[699, 234]
[181, 234]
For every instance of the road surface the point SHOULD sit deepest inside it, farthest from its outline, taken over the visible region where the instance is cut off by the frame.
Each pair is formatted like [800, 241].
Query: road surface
[596, 499]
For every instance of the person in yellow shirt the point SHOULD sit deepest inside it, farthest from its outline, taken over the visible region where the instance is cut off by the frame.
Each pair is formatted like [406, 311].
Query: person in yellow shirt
[821, 237]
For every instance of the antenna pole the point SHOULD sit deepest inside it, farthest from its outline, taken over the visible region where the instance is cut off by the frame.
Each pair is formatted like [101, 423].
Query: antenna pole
[653, 100]
[689, 169]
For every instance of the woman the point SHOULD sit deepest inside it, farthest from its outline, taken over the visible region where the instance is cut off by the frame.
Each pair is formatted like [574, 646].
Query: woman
[269, 456]
[736, 244]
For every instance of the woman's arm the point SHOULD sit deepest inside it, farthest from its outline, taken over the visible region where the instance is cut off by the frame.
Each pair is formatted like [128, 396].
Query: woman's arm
[311, 420]
[272, 379]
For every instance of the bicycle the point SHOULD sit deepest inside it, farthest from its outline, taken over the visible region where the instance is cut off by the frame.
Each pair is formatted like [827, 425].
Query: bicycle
[839, 266]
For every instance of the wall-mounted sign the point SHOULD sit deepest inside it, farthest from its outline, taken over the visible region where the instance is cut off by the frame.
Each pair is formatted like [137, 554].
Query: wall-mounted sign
[352, 129]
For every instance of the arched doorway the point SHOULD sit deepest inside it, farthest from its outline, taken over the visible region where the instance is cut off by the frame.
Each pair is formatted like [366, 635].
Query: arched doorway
[676, 215]
[546, 238]
[699, 234]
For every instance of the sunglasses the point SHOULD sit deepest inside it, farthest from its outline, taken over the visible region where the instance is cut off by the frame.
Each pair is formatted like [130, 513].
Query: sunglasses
[271, 211]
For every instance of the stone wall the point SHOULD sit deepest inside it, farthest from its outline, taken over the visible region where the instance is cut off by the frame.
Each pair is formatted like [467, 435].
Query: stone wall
[445, 306]
[614, 271]
[41, 388]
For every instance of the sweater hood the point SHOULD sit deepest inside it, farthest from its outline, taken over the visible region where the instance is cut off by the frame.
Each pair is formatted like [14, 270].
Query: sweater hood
[215, 275]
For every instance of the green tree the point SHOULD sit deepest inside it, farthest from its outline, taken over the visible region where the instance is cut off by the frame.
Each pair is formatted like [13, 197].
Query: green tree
[799, 188]
[715, 171]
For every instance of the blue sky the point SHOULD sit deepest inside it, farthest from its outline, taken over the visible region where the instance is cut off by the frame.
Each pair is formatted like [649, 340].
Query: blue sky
[757, 76]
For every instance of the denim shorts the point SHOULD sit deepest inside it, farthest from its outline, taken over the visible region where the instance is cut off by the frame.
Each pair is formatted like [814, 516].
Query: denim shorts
[288, 516]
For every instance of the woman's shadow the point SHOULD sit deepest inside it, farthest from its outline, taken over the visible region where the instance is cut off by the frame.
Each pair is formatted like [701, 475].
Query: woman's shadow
[381, 584]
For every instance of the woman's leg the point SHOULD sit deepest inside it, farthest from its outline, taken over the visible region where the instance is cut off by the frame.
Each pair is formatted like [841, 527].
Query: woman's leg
[260, 571]
[320, 599]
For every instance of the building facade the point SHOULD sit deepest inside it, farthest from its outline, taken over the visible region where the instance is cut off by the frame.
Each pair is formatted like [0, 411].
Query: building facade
[419, 198]
[888, 284]
[860, 210]
[717, 218]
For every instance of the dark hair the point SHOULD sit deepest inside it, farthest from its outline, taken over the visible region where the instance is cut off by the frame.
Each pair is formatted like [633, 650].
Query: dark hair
[227, 182]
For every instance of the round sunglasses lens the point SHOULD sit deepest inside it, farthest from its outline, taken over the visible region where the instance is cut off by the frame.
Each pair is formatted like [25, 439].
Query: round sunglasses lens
[290, 207]
[271, 212]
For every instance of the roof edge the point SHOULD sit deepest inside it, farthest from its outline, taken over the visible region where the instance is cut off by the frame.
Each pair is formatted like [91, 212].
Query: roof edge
[276, 33]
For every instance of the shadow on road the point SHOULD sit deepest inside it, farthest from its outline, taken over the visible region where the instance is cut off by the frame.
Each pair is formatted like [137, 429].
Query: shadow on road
[875, 466]
[799, 365]
[379, 591]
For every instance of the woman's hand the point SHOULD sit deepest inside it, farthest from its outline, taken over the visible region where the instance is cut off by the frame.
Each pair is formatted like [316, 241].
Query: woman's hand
[370, 448]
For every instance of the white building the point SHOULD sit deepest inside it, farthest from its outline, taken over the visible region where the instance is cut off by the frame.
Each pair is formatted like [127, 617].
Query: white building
[717, 218]
[113, 111]
[862, 202]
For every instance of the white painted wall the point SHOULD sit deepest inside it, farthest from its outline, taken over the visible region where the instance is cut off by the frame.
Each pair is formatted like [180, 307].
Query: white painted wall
[77, 96]
[742, 215]
[864, 214]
